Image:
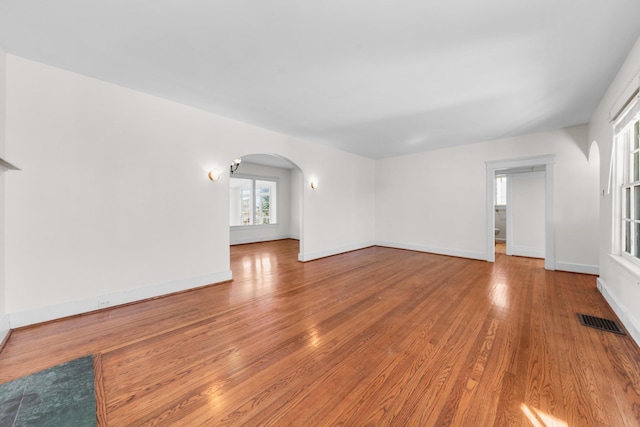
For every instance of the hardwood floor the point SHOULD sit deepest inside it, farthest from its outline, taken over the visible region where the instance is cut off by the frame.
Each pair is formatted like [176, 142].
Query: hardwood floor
[373, 337]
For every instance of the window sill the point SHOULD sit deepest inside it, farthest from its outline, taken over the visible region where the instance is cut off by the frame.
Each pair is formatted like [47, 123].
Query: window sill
[629, 266]
[251, 227]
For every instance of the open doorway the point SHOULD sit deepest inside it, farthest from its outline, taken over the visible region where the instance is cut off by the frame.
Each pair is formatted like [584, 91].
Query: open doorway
[519, 218]
[500, 215]
[265, 200]
[543, 166]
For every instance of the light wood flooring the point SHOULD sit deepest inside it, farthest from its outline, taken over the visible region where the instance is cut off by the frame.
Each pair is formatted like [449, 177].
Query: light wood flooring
[373, 337]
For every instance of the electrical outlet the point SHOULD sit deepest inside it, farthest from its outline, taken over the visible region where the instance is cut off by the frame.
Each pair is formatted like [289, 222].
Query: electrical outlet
[103, 303]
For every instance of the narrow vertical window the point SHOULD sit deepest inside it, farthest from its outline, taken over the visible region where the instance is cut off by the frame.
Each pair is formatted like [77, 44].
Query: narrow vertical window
[265, 208]
[501, 190]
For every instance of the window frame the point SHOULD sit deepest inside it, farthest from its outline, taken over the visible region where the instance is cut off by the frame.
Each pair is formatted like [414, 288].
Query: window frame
[253, 179]
[496, 189]
[626, 198]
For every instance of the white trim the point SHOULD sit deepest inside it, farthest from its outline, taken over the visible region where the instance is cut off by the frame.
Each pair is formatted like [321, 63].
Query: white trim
[252, 226]
[578, 268]
[548, 162]
[304, 257]
[44, 314]
[549, 213]
[525, 251]
[5, 327]
[433, 250]
[261, 239]
[508, 232]
[491, 219]
[630, 325]
[628, 266]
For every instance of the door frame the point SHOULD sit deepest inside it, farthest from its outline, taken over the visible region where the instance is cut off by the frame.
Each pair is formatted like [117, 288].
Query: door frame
[495, 166]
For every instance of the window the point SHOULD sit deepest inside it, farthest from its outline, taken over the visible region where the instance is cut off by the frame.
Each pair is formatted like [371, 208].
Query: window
[501, 190]
[252, 201]
[627, 142]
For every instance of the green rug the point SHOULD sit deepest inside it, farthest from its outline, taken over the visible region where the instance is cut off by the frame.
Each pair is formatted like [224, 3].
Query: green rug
[60, 396]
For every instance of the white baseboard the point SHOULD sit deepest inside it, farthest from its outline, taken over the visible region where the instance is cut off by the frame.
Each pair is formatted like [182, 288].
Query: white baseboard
[5, 327]
[261, 239]
[334, 251]
[526, 251]
[578, 268]
[629, 323]
[440, 251]
[45, 314]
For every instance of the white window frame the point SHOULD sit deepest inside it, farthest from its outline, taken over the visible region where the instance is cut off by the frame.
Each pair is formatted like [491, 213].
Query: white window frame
[626, 208]
[498, 176]
[253, 179]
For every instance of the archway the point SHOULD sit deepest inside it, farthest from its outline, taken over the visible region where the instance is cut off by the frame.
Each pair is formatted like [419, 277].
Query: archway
[266, 200]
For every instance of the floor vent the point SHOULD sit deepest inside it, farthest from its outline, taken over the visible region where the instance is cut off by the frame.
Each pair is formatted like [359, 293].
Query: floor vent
[600, 323]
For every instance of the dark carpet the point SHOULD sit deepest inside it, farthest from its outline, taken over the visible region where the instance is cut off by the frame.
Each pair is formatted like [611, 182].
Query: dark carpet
[60, 396]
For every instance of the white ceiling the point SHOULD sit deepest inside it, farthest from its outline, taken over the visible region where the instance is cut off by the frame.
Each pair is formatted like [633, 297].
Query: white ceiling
[375, 77]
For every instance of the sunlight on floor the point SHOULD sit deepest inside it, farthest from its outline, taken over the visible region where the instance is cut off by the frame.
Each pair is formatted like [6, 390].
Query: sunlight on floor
[500, 294]
[314, 336]
[541, 419]
[216, 397]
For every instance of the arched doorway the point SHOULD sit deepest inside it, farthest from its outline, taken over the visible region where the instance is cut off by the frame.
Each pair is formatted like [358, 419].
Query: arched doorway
[265, 200]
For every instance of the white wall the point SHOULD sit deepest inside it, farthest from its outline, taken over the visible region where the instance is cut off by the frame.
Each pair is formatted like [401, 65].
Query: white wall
[527, 214]
[295, 214]
[435, 201]
[113, 202]
[619, 282]
[4, 319]
[282, 229]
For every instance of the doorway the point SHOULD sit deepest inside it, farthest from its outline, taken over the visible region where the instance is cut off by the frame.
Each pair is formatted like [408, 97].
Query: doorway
[542, 164]
[519, 218]
[265, 200]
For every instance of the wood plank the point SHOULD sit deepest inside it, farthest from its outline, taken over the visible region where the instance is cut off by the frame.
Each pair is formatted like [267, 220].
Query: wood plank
[101, 400]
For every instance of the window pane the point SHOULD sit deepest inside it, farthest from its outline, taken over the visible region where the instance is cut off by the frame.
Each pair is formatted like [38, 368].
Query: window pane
[240, 205]
[627, 237]
[628, 171]
[501, 190]
[636, 135]
[636, 202]
[636, 167]
[627, 203]
[245, 197]
[265, 202]
[636, 236]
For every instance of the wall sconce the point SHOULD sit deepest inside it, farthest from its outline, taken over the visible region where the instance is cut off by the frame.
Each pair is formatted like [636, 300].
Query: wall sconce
[214, 175]
[235, 164]
[313, 184]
